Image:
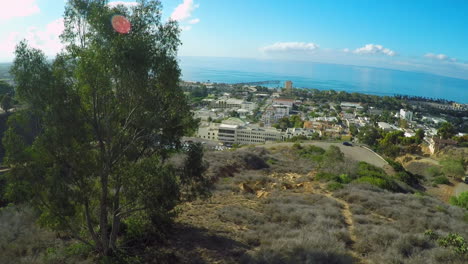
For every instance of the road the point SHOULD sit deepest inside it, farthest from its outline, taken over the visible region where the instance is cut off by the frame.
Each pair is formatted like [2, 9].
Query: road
[355, 152]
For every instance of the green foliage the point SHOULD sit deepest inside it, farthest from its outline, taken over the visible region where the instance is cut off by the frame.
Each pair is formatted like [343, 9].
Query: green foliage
[460, 200]
[353, 130]
[452, 168]
[327, 176]
[441, 180]
[434, 171]
[446, 131]
[395, 165]
[6, 88]
[333, 186]
[289, 122]
[381, 182]
[311, 152]
[369, 135]
[420, 135]
[6, 103]
[408, 178]
[193, 173]
[333, 155]
[455, 241]
[368, 173]
[91, 148]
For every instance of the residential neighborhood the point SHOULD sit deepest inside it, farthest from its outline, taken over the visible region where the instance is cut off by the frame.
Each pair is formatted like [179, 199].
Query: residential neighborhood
[244, 114]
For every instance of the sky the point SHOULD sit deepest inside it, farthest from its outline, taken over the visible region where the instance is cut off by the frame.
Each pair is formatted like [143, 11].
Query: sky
[417, 35]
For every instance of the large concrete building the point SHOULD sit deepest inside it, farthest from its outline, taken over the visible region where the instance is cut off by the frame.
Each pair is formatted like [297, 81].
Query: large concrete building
[237, 134]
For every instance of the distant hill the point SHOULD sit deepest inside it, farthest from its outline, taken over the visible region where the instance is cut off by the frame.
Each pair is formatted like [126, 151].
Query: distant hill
[4, 71]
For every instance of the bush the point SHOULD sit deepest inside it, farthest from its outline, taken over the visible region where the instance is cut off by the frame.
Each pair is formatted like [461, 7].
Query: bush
[383, 183]
[333, 186]
[441, 180]
[461, 200]
[327, 176]
[455, 241]
[408, 178]
[452, 168]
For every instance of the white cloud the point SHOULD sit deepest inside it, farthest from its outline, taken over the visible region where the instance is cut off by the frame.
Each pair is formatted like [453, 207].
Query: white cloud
[18, 8]
[126, 4]
[46, 39]
[346, 50]
[374, 49]
[441, 57]
[290, 46]
[194, 21]
[184, 11]
[186, 28]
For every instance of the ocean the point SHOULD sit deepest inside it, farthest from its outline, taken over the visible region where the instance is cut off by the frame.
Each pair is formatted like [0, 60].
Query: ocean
[323, 76]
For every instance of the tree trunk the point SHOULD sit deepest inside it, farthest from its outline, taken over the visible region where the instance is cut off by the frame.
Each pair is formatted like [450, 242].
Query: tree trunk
[103, 214]
[115, 220]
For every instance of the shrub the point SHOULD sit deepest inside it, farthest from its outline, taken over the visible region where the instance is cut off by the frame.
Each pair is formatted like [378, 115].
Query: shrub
[453, 168]
[408, 178]
[327, 176]
[461, 200]
[454, 241]
[395, 165]
[441, 180]
[333, 186]
[381, 182]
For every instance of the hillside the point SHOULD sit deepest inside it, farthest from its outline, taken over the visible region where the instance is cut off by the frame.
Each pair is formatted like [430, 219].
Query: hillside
[293, 205]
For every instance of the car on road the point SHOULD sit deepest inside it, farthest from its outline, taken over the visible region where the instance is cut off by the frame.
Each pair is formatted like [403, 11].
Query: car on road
[346, 143]
[465, 180]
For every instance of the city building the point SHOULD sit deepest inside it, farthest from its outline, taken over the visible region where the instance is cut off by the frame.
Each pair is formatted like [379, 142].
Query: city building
[295, 132]
[208, 131]
[235, 134]
[385, 126]
[349, 105]
[406, 115]
[283, 101]
[288, 86]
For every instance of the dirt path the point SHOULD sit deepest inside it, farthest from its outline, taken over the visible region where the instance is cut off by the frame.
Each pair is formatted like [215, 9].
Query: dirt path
[348, 219]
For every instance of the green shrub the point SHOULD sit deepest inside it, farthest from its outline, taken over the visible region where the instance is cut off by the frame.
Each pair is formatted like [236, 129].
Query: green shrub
[454, 241]
[383, 183]
[461, 200]
[333, 186]
[408, 178]
[441, 180]
[327, 176]
[395, 165]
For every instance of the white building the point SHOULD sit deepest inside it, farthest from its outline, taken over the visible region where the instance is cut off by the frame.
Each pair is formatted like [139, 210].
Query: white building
[406, 115]
[228, 103]
[295, 132]
[235, 134]
[208, 131]
[385, 126]
[250, 106]
[283, 101]
[347, 105]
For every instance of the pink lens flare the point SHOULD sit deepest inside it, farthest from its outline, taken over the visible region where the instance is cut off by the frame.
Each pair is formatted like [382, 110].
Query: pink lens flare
[121, 24]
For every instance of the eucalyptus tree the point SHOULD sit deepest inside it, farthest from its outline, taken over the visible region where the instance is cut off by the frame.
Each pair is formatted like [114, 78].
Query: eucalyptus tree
[106, 115]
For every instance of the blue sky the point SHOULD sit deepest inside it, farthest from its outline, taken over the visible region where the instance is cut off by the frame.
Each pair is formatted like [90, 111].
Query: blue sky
[428, 36]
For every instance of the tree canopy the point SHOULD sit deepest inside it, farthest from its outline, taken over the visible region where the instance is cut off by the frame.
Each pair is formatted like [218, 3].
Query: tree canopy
[106, 115]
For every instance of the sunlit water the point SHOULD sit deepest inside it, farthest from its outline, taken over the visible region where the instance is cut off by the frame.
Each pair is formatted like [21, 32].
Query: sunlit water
[325, 76]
